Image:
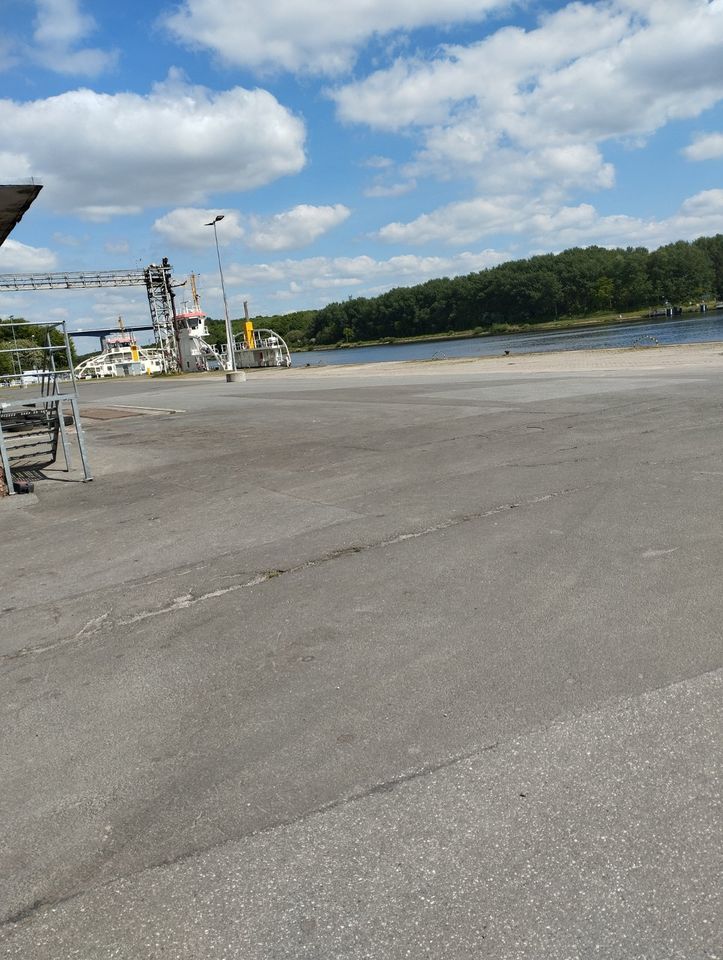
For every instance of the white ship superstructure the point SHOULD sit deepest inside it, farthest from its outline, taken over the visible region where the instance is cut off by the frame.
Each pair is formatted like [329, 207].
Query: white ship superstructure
[258, 348]
[252, 348]
[121, 357]
[194, 353]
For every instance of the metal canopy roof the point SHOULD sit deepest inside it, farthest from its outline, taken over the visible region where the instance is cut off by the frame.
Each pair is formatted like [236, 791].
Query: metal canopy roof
[15, 199]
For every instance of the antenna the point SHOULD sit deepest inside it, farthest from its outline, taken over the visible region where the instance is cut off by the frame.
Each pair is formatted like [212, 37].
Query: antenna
[194, 292]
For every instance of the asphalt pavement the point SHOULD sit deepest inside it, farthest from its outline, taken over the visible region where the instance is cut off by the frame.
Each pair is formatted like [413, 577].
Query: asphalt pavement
[380, 665]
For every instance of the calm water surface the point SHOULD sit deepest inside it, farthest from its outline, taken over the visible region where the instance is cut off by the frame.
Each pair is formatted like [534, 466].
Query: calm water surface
[703, 328]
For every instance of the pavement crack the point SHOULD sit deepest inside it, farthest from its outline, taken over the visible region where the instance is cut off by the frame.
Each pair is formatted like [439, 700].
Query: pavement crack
[188, 600]
[25, 912]
[104, 623]
[89, 629]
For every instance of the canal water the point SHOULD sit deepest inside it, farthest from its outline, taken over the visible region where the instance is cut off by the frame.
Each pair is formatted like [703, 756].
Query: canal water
[702, 328]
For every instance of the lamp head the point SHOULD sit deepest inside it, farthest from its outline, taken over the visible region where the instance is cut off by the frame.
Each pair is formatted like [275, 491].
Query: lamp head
[220, 216]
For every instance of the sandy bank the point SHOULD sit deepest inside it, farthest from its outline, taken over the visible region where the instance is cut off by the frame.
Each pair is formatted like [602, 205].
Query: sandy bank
[704, 355]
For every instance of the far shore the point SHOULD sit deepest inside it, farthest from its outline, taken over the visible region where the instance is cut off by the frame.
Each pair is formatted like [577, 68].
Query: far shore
[512, 330]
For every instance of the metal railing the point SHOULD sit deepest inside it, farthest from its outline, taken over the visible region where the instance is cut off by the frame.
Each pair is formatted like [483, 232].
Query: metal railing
[35, 426]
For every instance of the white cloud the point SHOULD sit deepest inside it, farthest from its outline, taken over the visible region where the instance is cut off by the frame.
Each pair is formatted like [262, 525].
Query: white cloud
[498, 73]
[14, 167]
[553, 227]
[316, 36]
[186, 227]
[60, 23]
[706, 146]
[378, 162]
[563, 167]
[66, 239]
[457, 223]
[295, 228]
[21, 258]
[117, 246]
[386, 182]
[321, 278]
[60, 26]
[102, 212]
[390, 189]
[90, 310]
[599, 68]
[8, 54]
[699, 215]
[531, 106]
[100, 155]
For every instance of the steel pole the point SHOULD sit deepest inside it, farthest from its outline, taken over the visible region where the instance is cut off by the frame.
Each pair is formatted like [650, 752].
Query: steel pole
[229, 332]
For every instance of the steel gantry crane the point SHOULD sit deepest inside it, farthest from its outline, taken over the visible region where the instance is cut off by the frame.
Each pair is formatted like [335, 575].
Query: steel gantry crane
[157, 279]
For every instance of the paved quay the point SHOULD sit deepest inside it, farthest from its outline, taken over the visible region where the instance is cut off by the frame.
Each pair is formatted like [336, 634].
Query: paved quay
[417, 660]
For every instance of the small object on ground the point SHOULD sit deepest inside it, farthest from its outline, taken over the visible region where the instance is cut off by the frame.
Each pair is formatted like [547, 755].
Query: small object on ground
[507, 353]
[23, 486]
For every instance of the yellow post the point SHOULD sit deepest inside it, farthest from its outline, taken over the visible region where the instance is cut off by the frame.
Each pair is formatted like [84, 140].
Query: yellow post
[135, 356]
[249, 331]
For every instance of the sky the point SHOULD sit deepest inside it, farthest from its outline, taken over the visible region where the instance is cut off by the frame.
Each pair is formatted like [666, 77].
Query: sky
[351, 145]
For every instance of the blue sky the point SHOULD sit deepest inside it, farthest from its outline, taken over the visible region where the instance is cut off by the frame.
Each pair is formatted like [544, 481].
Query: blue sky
[352, 146]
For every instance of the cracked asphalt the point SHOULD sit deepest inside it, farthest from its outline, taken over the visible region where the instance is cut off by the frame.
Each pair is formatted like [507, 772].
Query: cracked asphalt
[375, 664]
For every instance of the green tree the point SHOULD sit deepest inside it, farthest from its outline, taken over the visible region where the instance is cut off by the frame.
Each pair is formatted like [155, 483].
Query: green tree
[680, 272]
[604, 290]
[712, 247]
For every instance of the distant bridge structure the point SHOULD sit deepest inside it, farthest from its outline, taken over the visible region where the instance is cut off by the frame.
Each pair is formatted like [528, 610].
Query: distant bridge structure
[102, 332]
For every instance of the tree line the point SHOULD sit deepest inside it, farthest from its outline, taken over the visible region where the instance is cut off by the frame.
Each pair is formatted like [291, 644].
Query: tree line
[577, 283]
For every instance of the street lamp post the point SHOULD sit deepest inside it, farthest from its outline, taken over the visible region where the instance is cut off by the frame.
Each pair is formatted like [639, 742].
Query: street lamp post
[231, 353]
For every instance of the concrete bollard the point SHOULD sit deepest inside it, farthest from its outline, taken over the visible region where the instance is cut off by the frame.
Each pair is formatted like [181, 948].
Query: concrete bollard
[235, 376]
